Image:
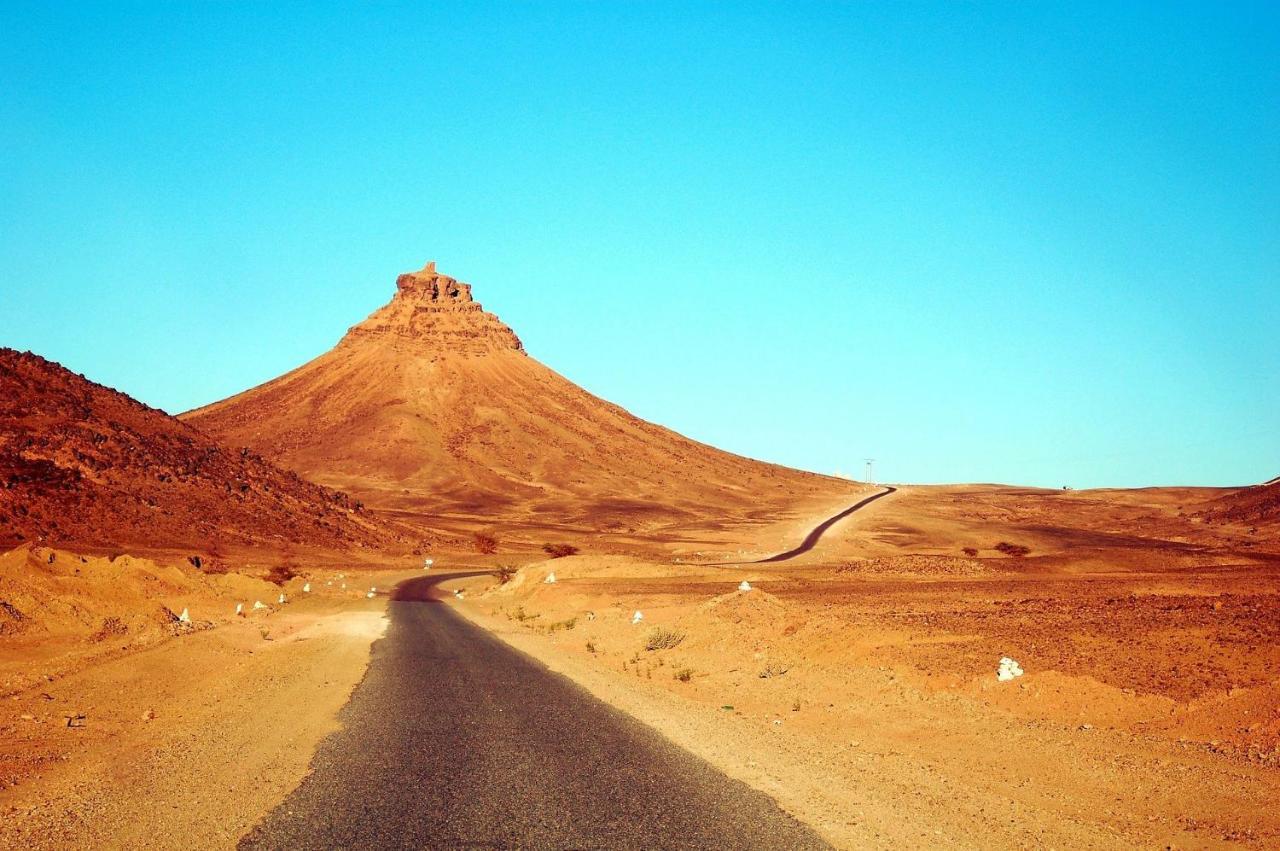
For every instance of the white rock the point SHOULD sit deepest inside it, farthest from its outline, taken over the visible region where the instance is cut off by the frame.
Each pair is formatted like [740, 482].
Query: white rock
[637, 617]
[461, 596]
[373, 589]
[551, 579]
[427, 562]
[258, 604]
[306, 589]
[239, 608]
[369, 595]
[344, 586]
[744, 585]
[185, 617]
[1009, 669]
[281, 600]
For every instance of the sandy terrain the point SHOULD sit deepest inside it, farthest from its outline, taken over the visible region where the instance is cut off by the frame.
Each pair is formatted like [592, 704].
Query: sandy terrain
[153, 733]
[859, 686]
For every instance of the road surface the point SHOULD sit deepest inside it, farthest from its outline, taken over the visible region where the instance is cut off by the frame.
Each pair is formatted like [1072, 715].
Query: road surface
[456, 740]
[816, 533]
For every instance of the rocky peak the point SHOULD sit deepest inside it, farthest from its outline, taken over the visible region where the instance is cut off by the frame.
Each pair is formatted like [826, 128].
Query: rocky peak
[429, 285]
[434, 311]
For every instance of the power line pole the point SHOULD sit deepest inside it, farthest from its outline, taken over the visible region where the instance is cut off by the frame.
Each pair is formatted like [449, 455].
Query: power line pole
[870, 461]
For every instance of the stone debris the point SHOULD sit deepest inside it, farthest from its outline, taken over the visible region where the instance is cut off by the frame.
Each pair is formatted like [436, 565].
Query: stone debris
[744, 585]
[258, 604]
[637, 617]
[281, 600]
[1008, 669]
[185, 617]
[306, 589]
[427, 562]
[240, 609]
[551, 579]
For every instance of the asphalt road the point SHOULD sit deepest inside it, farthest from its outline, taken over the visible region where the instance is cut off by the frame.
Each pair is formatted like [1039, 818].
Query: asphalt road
[816, 533]
[455, 740]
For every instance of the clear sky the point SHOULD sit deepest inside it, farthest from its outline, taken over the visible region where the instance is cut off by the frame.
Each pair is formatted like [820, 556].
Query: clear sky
[1022, 242]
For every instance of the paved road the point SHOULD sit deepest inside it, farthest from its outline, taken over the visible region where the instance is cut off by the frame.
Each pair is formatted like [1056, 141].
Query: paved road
[455, 740]
[816, 533]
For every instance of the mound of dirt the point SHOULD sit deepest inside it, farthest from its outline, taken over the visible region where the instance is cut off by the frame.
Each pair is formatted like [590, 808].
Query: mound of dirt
[918, 565]
[87, 466]
[431, 405]
[1259, 504]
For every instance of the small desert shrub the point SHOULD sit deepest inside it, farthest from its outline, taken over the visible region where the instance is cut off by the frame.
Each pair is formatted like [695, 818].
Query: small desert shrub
[520, 615]
[591, 647]
[559, 550]
[565, 624]
[971, 551]
[485, 543]
[1015, 550]
[504, 573]
[281, 573]
[663, 639]
[111, 626]
[684, 675]
[774, 669]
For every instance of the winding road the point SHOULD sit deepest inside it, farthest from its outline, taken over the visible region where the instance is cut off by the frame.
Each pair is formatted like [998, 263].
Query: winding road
[817, 531]
[456, 740]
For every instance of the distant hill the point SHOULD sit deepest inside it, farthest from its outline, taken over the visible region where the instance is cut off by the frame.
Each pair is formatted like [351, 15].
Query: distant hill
[1258, 504]
[84, 465]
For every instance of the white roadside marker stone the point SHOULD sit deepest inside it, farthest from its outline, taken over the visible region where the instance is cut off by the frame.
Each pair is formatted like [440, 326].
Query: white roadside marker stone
[1008, 670]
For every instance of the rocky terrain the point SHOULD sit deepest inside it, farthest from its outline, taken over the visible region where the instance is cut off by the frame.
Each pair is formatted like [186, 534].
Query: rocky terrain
[86, 466]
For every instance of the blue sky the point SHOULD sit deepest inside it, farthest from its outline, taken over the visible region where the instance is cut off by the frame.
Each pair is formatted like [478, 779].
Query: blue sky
[1032, 243]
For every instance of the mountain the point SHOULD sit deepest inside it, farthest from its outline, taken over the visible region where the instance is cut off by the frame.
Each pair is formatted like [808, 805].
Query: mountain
[431, 406]
[84, 465]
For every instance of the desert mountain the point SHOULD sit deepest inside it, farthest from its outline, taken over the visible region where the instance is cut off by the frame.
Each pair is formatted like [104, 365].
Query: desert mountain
[84, 465]
[432, 406]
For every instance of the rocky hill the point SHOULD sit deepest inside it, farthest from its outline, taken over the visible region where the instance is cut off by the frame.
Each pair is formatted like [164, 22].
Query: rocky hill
[83, 465]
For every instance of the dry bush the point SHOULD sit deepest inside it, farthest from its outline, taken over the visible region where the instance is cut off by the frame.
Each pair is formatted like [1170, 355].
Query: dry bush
[663, 639]
[774, 669]
[559, 550]
[970, 551]
[505, 572]
[111, 626]
[1015, 550]
[281, 573]
[485, 543]
[683, 675]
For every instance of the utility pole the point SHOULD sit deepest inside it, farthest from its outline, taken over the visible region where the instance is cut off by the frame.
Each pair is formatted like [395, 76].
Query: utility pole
[870, 461]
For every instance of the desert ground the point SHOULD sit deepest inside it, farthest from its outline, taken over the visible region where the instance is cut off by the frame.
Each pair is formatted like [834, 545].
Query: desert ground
[196, 610]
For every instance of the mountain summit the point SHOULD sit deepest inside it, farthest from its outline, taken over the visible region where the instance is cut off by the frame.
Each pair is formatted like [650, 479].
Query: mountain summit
[430, 407]
[432, 310]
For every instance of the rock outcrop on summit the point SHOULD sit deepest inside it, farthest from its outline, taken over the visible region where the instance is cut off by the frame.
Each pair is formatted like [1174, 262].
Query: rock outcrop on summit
[432, 407]
[433, 312]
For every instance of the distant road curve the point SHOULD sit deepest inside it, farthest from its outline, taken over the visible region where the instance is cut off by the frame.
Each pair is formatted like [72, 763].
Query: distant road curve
[817, 531]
